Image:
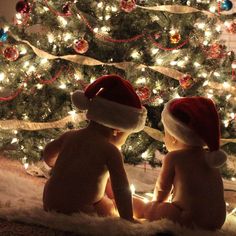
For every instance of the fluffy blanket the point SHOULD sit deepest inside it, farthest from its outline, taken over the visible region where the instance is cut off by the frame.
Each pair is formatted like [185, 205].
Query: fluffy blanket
[21, 200]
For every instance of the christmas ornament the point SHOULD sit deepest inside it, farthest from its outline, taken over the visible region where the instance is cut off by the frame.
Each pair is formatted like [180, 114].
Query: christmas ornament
[23, 7]
[66, 9]
[81, 46]
[175, 37]
[3, 35]
[11, 53]
[143, 93]
[231, 28]
[186, 81]
[215, 51]
[128, 5]
[226, 5]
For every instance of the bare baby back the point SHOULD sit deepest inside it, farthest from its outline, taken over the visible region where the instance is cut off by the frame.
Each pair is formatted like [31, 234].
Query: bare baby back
[80, 174]
[198, 189]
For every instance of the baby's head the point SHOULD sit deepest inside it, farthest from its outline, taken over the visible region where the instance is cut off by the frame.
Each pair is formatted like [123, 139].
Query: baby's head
[193, 122]
[112, 102]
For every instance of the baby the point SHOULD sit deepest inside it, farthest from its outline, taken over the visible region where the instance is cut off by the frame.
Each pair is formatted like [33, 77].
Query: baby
[189, 172]
[84, 159]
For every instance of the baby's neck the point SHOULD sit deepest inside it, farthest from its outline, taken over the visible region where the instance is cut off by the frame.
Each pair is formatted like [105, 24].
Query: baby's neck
[100, 130]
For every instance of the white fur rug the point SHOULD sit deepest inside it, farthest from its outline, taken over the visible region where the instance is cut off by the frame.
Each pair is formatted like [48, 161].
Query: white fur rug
[20, 200]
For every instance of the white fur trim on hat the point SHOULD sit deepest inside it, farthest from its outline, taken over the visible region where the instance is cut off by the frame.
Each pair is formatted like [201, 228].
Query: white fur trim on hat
[178, 129]
[117, 116]
[80, 100]
[216, 159]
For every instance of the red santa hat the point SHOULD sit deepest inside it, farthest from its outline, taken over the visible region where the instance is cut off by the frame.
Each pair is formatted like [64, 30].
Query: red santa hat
[194, 121]
[112, 102]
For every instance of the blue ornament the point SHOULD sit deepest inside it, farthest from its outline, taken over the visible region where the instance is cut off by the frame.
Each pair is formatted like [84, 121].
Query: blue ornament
[3, 35]
[226, 5]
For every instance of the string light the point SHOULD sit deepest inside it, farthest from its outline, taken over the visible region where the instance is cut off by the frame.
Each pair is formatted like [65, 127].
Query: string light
[141, 80]
[159, 61]
[50, 37]
[2, 76]
[62, 21]
[205, 83]
[62, 86]
[39, 86]
[14, 140]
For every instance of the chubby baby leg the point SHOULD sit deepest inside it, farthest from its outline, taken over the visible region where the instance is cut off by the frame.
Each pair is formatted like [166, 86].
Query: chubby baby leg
[139, 207]
[157, 211]
[105, 207]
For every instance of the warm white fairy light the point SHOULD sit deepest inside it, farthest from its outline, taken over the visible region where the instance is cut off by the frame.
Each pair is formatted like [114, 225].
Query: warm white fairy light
[2, 76]
[6, 28]
[226, 85]
[62, 86]
[14, 140]
[209, 95]
[159, 61]
[40, 147]
[197, 64]
[50, 37]
[154, 51]
[173, 63]
[205, 42]
[67, 36]
[62, 21]
[105, 29]
[212, 9]
[228, 96]
[144, 155]
[31, 69]
[208, 33]
[181, 63]
[201, 25]
[114, 9]
[72, 113]
[233, 179]
[100, 5]
[132, 189]
[15, 131]
[141, 80]
[26, 64]
[217, 74]
[205, 83]
[100, 17]
[23, 51]
[160, 101]
[107, 17]
[175, 51]
[95, 30]
[234, 65]
[39, 86]
[204, 75]
[218, 28]
[43, 61]
[18, 16]
[226, 123]
[92, 79]
[154, 91]
[175, 95]
[135, 54]
[45, 8]
[186, 58]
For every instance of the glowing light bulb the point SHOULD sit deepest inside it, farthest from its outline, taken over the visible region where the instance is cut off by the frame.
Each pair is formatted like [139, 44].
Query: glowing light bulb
[50, 38]
[67, 36]
[100, 5]
[205, 83]
[39, 86]
[44, 61]
[141, 80]
[135, 54]
[132, 189]
[212, 9]
[14, 140]
[226, 85]
[62, 86]
[62, 21]
[2, 76]
[159, 61]
[40, 147]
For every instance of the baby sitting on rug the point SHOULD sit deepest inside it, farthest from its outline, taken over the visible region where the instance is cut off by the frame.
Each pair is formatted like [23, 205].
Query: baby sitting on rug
[82, 160]
[190, 171]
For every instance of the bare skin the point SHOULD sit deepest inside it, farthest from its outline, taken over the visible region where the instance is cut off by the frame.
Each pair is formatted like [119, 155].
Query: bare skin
[198, 195]
[82, 161]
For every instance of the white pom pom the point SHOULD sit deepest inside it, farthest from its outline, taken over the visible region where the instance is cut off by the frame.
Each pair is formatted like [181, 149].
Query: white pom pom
[80, 100]
[216, 159]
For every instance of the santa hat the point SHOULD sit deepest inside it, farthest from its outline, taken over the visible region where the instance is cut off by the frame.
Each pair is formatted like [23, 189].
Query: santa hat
[194, 121]
[112, 102]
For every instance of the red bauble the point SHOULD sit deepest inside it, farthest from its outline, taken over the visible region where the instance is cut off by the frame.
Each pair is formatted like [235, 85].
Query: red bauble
[66, 8]
[23, 7]
[231, 28]
[81, 46]
[128, 5]
[143, 93]
[186, 81]
[215, 51]
[11, 53]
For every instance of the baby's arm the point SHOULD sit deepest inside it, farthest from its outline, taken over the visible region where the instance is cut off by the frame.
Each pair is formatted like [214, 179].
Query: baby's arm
[165, 179]
[120, 184]
[52, 150]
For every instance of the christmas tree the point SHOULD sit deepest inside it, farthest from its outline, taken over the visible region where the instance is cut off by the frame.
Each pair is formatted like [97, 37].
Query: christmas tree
[166, 49]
